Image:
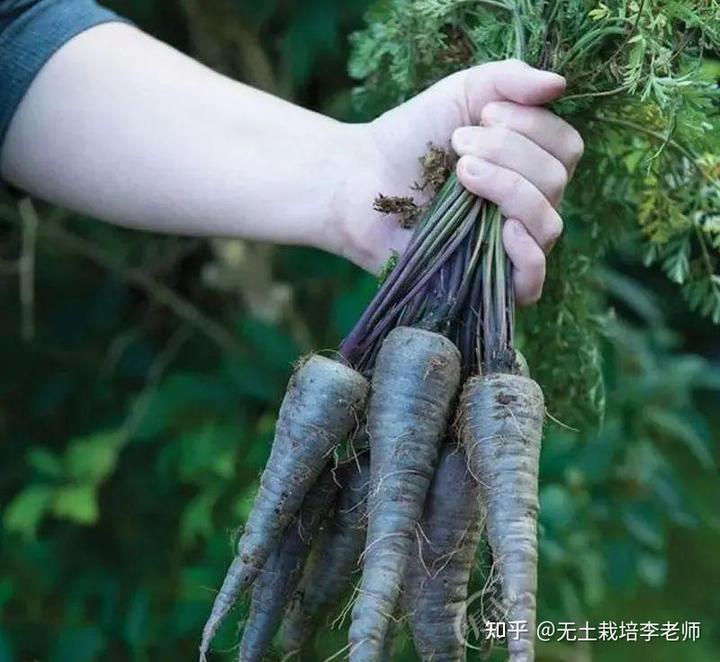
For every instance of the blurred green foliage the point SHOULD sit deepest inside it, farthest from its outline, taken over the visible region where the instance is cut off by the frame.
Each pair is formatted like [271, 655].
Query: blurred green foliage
[133, 435]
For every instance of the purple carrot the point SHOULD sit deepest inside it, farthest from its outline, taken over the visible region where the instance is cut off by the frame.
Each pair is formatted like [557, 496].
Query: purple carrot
[321, 406]
[436, 582]
[281, 573]
[335, 558]
[501, 428]
[414, 385]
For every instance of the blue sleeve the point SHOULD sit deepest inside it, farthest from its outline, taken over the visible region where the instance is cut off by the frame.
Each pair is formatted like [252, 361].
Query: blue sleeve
[30, 32]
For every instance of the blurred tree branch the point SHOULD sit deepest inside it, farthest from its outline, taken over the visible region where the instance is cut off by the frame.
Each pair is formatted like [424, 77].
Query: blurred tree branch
[222, 42]
[26, 268]
[141, 403]
[154, 289]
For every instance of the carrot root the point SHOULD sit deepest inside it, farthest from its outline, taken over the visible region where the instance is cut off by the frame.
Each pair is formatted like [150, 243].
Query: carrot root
[501, 428]
[282, 571]
[436, 582]
[328, 574]
[319, 410]
[414, 384]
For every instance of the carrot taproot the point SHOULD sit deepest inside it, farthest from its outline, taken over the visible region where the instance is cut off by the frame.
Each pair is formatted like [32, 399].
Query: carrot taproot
[414, 384]
[388, 647]
[436, 582]
[501, 428]
[282, 571]
[319, 410]
[328, 574]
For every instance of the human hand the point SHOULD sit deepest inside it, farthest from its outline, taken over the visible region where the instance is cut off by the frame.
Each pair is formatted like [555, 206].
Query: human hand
[512, 152]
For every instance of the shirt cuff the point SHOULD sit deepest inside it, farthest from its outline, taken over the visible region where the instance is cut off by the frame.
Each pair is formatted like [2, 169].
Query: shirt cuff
[29, 41]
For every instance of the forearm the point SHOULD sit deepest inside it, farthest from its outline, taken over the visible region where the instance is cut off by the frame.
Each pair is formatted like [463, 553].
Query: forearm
[123, 128]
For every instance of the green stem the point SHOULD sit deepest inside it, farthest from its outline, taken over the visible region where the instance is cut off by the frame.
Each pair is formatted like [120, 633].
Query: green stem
[586, 43]
[652, 133]
[496, 325]
[592, 95]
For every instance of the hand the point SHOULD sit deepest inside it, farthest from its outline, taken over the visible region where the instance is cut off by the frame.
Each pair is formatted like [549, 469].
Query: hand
[512, 152]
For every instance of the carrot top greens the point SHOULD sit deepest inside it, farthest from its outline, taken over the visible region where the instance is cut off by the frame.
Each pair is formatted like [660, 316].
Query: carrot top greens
[642, 94]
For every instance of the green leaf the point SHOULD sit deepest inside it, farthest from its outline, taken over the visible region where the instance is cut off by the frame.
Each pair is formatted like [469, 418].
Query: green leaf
[643, 521]
[137, 620]
[653, 570]
[570, 597]
[244, 501]
[666, 489]
[251, 380]
[197, 521]
[677, 263]
[633, 159]
[45, 462]
[6, 592]
[592, 571]
[91, 459]
[552, 551]
[77, 503]
[278, 348]
[348, 306]
[183, 399]
[642, 301]
[6, 654]
[621, 563]
[81, 644]
[208, 451]
[674, 425]
[557, 506]
[25, 512]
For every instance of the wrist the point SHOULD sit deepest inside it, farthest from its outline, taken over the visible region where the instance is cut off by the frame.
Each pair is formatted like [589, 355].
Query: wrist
[354, 183]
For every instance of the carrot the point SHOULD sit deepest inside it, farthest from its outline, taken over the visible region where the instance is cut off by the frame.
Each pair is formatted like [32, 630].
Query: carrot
[282, 571]
[319, 410]
[386, 654]
[436, 582]
[414, 384]
[328, 573]
[501, 427]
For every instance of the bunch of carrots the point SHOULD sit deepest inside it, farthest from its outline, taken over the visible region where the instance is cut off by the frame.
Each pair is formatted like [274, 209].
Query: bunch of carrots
[425, 429]
[427, 461]
[443, 433]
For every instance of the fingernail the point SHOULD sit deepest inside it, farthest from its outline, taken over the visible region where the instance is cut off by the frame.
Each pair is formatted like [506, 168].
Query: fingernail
[475, 167]
[462, 138]
[555, 79]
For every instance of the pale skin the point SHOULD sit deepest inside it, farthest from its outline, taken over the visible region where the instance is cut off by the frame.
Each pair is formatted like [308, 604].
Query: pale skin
[121, 127]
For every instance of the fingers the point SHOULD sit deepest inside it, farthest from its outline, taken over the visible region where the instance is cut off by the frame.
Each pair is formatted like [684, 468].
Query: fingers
[520, 159]
[516, 197]
[509, 80]
[528, 262]
[509, 149]
[540, 126]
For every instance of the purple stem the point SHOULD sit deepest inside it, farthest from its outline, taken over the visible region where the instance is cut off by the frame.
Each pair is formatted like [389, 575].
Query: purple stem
[389, 287]
[380, 328]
